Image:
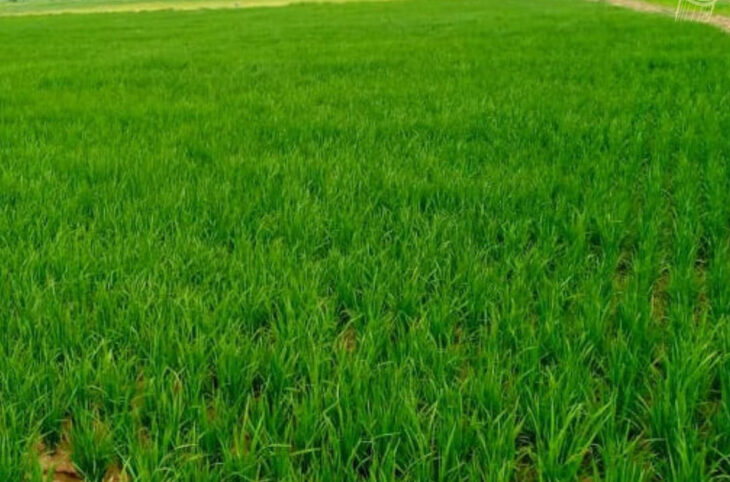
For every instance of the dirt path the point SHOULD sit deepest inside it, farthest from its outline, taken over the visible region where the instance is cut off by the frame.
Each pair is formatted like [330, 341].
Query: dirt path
[716, 20]
[157, 6]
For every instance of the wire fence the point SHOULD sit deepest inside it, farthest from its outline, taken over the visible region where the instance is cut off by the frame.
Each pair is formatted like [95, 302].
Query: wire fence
[695, 10]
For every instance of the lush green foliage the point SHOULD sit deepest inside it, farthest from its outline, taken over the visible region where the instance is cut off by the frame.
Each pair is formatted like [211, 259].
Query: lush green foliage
[439, 240]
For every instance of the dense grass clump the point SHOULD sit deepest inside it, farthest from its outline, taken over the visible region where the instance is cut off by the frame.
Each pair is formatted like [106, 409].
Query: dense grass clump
[421, 240]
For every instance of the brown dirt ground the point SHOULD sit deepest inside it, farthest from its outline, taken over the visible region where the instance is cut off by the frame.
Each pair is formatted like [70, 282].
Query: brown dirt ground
[143, 6]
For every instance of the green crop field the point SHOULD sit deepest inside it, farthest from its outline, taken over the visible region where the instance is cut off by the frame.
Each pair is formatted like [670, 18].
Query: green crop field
[418, 240]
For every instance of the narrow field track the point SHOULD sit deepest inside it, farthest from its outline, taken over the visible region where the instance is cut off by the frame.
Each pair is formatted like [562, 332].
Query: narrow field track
[161, 6]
